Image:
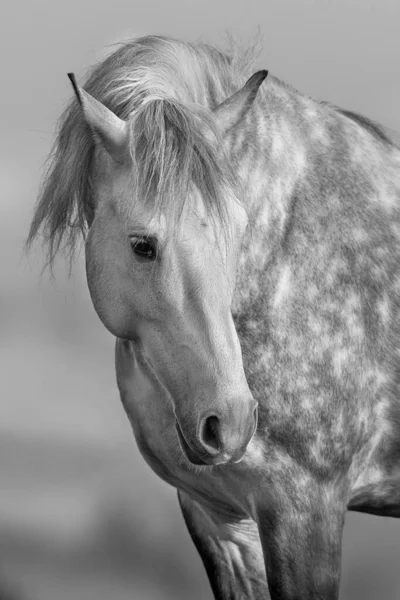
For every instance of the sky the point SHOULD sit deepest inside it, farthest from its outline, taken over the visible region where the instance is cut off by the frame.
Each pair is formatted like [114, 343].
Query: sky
[58, 394]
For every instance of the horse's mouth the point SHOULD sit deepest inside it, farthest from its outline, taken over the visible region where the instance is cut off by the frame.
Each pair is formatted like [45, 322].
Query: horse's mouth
[186, 449]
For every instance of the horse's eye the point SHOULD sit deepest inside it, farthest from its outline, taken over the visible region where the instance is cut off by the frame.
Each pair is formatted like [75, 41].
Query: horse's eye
[144, 248]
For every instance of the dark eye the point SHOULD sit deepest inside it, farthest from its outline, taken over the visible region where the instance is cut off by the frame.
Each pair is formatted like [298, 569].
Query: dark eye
[144, 248]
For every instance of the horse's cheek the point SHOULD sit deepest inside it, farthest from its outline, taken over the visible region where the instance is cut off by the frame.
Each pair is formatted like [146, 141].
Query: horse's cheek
[106, 289]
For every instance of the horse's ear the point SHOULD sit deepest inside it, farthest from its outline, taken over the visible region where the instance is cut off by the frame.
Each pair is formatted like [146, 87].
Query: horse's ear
[232, 110]
[108, 129]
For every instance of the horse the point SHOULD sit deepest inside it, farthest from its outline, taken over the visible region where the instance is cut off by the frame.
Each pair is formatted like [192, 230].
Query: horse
[242, 243]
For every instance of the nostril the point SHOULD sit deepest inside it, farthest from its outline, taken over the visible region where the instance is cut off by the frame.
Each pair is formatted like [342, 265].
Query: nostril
[209, 434]
[255, 414]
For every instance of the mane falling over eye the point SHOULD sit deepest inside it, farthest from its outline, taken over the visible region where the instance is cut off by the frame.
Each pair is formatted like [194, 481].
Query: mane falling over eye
[165, 89]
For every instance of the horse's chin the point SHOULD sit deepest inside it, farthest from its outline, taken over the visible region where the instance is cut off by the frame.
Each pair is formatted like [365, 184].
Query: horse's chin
[187, 450]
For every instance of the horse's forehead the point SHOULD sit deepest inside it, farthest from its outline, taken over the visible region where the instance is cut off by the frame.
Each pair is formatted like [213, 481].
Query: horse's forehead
[114, 187]
[110, 181]
[155, 215]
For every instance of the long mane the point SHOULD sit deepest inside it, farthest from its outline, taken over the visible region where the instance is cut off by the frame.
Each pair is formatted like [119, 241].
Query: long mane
[165, 89]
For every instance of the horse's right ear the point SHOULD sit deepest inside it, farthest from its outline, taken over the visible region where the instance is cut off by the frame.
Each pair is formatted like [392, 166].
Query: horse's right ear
[109, 130]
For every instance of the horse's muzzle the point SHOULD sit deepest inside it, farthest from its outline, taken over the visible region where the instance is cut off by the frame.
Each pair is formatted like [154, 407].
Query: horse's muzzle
[221, 438]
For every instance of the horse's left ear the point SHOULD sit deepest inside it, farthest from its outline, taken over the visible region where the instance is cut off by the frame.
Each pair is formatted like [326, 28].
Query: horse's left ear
[232, 110]
[108, 129]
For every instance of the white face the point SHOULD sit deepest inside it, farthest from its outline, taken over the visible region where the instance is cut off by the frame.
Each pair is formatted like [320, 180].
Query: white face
[172, 293]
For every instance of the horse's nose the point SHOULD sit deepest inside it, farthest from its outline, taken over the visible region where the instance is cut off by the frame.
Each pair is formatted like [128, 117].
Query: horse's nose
[225, 438]
[209, 434]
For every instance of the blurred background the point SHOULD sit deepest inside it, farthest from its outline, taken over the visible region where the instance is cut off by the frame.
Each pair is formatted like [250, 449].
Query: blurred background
[81, 515]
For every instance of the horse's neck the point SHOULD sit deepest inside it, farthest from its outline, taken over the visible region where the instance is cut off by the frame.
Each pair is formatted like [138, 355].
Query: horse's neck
[270, 152]
[305, 167]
